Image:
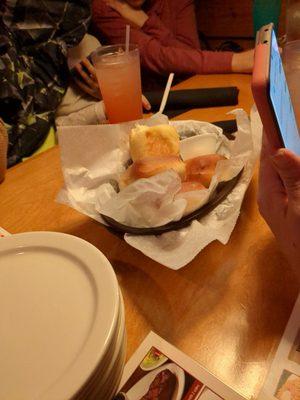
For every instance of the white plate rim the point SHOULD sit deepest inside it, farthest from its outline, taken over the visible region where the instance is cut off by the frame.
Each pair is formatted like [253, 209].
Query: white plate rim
[85, 363]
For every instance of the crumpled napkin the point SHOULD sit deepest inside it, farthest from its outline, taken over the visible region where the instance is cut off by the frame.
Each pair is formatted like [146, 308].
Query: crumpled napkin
[104, 158]
[146, 203]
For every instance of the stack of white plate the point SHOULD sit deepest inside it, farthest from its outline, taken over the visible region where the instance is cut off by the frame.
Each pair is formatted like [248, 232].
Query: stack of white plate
[62, 327]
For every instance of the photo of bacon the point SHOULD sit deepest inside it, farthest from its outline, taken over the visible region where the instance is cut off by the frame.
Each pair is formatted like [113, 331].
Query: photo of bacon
[162, 387]
[166, 382]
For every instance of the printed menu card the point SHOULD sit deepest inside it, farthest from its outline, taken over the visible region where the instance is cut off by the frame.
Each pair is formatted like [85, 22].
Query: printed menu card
[159, 371]
[3, 232]
[283, 380]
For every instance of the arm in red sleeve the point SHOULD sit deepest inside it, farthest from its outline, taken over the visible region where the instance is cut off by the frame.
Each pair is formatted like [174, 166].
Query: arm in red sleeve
[155, 27]
[186, 24]
[156, 57]
[183, 60]
[183, 12]
[109, 23]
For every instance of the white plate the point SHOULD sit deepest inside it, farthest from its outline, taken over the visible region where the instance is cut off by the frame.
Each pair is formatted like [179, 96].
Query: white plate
[142, 386]
[108, 374]
[59, 306]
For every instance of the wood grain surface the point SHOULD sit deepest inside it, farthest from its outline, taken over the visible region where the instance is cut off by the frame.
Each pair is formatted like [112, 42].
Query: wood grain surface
[226, 309]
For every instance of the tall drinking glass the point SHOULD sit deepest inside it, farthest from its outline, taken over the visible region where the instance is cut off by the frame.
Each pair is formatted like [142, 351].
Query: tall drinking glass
[292, 20]
[119, 77]
[291, 62]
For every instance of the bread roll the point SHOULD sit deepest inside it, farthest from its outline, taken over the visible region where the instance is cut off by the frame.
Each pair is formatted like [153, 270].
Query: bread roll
[152, 166]
[201, 169]
[190, 192]
[153, 141]
[191, 186]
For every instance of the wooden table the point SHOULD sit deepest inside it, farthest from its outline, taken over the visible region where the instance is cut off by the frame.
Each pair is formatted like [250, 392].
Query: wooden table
[227, 309]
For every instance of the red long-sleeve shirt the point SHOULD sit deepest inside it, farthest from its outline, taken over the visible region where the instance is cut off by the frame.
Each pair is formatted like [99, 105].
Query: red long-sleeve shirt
[168, 41]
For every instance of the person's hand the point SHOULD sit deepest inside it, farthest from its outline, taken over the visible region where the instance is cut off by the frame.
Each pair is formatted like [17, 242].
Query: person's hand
[133, 15]
[243, 62]
[279, 198]
[145, 103]
[89, 83]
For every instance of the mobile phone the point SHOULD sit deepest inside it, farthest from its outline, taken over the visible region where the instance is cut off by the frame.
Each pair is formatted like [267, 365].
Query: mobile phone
[271, 93]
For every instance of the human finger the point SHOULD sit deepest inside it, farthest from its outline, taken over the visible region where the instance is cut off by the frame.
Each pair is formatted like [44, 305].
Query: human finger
[87, 89]
[287, 165]
[146, 103]
[269, 146]
[88, 80]
[91, 69]
[272, 199]
[269, 178]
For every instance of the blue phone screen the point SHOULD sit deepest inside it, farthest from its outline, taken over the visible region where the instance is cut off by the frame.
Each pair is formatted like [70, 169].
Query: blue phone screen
[281, 101]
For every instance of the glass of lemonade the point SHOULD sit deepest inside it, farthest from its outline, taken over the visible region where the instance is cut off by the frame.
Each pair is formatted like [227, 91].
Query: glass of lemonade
[291, 62]
[119, 77]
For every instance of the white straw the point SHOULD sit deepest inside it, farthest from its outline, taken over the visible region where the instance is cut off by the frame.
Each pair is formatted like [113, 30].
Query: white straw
[166, 94]
[127, 38]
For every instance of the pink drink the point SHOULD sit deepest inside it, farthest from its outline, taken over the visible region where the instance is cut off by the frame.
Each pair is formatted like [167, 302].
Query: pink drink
[119, 78]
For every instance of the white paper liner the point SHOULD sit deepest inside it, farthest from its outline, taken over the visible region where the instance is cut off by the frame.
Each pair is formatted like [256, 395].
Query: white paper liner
[94, 155]
[146, 203]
